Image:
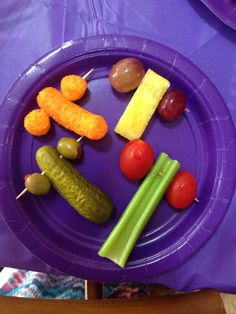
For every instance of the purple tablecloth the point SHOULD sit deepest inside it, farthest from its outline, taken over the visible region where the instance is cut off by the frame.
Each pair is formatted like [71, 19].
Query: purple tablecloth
[30, 28]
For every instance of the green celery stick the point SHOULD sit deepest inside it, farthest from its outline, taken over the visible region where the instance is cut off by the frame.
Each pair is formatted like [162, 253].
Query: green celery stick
[124, 235]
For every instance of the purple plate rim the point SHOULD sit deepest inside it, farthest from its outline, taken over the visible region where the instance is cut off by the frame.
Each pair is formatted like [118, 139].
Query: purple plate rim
[208, 223]
[227, 14]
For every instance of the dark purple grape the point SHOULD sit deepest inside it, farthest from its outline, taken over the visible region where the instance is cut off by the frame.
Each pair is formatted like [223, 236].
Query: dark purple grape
[126, 75]
[172, 105]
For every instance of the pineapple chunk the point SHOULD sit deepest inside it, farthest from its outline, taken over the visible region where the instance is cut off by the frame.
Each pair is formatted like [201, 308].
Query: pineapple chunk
[142, 106]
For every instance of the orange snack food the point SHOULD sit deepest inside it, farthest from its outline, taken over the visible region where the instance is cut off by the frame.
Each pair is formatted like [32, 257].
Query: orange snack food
[37, 122]
[70, 115]
[73, 87]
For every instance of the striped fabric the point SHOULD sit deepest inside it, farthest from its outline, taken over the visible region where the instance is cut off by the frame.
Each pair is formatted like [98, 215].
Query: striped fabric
[31, 284]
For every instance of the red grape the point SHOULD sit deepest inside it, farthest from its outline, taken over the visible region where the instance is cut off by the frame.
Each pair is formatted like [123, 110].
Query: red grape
[172, 105]
[126, 75]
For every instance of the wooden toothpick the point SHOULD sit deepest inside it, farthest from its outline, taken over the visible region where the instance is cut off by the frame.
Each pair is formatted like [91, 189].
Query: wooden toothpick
[79, 139]
[87, 74]
[21, 193]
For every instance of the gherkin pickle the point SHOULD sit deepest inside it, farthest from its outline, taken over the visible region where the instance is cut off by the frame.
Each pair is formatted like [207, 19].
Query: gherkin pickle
[92, 203]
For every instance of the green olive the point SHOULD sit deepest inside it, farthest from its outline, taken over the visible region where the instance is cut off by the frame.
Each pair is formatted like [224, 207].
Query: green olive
[37, 184]
[69, 148]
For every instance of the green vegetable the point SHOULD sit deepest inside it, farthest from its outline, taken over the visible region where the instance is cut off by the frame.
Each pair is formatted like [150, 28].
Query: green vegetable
[69, 148]
[80, 193]
[37, 184]
[123, 237]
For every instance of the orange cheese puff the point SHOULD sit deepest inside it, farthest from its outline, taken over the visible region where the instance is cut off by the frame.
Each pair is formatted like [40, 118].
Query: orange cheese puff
[37, 122]
[70, 115]
[73, 87]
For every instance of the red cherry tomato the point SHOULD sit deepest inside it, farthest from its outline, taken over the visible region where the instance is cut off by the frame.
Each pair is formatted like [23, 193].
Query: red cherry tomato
[27, 176]
[136, 159]
[182, 190]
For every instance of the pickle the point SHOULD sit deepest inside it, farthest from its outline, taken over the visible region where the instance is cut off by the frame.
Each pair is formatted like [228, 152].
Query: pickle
[92, 203]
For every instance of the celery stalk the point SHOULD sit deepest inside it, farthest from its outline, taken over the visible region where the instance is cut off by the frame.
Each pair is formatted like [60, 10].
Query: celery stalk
[124, 235]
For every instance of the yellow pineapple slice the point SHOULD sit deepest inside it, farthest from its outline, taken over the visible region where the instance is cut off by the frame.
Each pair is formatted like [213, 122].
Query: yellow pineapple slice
[142, 106]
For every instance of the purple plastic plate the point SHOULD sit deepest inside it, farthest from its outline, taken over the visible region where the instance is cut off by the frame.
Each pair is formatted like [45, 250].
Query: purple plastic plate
[225, 10]
[203, 140]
